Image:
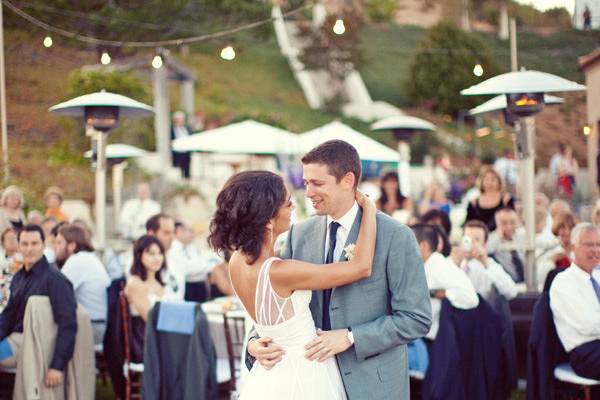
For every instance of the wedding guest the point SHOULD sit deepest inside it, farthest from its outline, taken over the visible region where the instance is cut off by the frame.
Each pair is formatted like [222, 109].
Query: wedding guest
[48, 224]
[35, 217]
[10, 259]
[179, 129]
[444, 279]
[575, 302]
[560, 256]
[136, 211]
[505, 244]
[434, 198]
[596, 215]
[145, 287]
[86, 273]
[492, 198]
[11, 208]
[485, 273]
[567, 171]
[391, 199]
[54, 197]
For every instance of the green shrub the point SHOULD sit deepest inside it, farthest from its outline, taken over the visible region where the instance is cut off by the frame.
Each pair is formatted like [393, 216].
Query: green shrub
[443, 66]
[81, 82]
[381, 10]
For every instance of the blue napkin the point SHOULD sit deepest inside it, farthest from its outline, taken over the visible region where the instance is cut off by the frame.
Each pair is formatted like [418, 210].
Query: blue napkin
[418, 358]
[5, 350]
[177, 317]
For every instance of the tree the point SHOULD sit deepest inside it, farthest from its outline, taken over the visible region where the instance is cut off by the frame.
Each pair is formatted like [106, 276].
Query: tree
[444, 66]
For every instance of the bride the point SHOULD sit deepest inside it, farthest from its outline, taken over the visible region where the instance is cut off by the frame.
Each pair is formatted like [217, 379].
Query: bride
[253, 208]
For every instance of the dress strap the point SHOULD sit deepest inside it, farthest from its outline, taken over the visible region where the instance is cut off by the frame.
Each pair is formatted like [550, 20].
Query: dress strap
[271, 309]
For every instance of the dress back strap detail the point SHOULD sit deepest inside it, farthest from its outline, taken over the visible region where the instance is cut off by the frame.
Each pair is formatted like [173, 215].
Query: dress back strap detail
[271, 309]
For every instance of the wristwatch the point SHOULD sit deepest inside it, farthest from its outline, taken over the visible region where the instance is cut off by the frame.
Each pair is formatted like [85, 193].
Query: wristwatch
[350, 336]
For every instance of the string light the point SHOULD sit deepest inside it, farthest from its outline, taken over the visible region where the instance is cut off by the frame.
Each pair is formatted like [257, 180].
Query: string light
[478, 70]
[587, 130]
[47, 42]
[157, 43]
[105, 59]
[339, 28]
[228, 53]
[157, 62]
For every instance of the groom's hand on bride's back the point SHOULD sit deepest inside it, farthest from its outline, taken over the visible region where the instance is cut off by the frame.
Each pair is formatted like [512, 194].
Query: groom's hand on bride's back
[327, 344]
[266, 353]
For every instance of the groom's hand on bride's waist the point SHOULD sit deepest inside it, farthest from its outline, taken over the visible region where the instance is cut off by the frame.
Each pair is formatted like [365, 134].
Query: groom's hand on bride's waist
[327, 344]
[266, 353]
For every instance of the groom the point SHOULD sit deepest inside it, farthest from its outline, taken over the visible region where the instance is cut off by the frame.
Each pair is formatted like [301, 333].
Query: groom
[367, 324]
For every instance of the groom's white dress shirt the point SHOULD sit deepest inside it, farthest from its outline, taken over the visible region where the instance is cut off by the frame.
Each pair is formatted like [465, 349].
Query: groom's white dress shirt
[346, 222]
[575, 307]
[443, 274]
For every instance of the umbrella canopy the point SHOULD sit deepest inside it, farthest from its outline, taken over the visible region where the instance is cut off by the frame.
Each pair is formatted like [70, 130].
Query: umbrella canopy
[498, 103]
[523, 82]
[368, 149]
[120, 150]
[247, 137]
[128, 108]
[403, 122]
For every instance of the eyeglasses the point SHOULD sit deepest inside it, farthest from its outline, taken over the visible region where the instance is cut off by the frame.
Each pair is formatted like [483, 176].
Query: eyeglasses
[590, 244]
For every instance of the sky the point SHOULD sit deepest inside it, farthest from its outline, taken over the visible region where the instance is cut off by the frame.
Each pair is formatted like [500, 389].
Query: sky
[545, 4]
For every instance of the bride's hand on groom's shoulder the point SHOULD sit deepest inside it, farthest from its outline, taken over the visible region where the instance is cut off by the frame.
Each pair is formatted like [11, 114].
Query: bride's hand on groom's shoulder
[327, 344]
[365, 201]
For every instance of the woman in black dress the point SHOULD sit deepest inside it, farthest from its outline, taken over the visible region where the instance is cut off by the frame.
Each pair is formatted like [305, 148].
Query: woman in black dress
[492, 197]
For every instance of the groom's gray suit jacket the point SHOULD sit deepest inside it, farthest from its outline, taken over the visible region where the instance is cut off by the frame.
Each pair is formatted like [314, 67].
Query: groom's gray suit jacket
[385, 311]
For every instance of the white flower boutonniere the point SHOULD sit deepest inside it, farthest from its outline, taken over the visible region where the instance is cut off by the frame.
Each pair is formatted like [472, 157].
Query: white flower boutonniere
[350, 251]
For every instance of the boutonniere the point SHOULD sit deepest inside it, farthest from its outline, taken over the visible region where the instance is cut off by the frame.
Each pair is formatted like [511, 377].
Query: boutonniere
[350, 251]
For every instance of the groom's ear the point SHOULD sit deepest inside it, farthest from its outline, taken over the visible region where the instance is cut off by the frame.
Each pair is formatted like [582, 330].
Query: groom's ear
[348, 180]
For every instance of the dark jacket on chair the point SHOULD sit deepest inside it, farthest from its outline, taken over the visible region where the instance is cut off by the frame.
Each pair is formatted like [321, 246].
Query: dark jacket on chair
[544, 352]
[179, 366]
[113, 339]
[466, 355]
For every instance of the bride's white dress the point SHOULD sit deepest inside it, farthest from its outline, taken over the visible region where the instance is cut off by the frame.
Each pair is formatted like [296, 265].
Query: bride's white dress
[289, 323]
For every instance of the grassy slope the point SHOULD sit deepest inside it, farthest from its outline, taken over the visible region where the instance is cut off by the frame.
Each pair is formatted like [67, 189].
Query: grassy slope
[258, 84]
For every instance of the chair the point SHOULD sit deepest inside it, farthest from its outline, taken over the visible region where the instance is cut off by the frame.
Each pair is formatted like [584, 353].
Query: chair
[132, 371]
[234, 335]
[564, 374]
[101, 366]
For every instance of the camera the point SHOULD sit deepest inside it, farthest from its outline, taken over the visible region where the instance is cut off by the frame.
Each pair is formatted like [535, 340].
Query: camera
[466, 244]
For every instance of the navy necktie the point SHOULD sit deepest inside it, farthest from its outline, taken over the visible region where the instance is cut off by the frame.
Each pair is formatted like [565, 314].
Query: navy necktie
[518, 264]
[596, 287]
[333, 227]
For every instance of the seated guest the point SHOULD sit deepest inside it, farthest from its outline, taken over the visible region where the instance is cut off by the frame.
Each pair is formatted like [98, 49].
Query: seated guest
[11, 208]
[136, 212]
[391, 199]
[198, 265]
[10, 259]
[37, 277]
[575, 302]
[434, 198]
[54, 197]
[145, 287]
[87, 274]
[440, 219]
[162, 227]
[492, 198]
[505, 245]
[544, 238]
[444, 279]
[560, 256]
[483, 271]
[47, 224]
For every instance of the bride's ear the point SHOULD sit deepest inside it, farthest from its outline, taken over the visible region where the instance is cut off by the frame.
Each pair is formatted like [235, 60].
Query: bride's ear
[270, 224]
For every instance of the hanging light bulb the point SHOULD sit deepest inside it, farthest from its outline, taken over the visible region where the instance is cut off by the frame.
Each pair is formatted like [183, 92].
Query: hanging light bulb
[157, 62]
[105, 59]
[47, 41]
[228, 53]
[478, 70]
[339, 28]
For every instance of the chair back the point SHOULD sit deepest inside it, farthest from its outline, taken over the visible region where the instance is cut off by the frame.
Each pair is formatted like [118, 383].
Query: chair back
[234, 335]
[133, 384]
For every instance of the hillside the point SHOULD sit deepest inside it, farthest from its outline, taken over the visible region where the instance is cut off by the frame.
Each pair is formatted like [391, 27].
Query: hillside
[257, 84]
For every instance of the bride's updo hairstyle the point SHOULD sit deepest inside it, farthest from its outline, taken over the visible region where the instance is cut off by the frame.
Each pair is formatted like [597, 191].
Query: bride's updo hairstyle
[244, 207]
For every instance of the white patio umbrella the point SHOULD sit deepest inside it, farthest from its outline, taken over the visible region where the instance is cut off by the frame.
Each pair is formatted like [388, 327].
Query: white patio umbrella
[120, 150]
[247, 137]
[368, 149]
[406, 122]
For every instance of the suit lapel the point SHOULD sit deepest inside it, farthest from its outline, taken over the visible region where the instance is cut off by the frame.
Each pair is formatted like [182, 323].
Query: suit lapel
[352, 237]
[316, 241]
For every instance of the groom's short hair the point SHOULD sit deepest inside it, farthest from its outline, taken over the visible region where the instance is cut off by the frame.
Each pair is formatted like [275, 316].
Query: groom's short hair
[340, 158]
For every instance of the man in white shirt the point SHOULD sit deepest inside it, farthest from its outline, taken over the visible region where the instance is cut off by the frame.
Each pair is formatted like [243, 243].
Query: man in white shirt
[87, 274]
[575, 302]
[197, 265]
[505, 244]
[163, 227]
[483, 271]
[135, 213]
[444, 278]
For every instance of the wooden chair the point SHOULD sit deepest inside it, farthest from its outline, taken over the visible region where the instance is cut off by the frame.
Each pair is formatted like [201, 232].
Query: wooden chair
[235, 334]
[132, 371]
[101, 365]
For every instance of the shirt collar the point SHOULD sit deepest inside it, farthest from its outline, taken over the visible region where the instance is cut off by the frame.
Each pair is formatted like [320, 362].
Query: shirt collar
[347, 220]
[579, 272]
